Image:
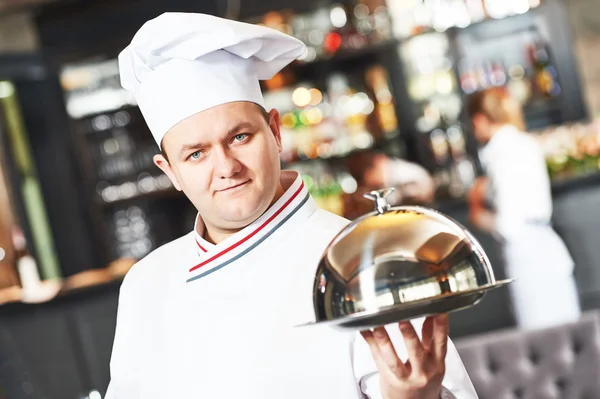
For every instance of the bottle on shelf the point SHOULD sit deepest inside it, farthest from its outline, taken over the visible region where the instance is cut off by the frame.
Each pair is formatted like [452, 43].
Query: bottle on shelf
[324, 123]
[463, 172]
[480, 75]
[132, 233]
[518, 85]
[378, 82]
[545, 74]
[441, 159]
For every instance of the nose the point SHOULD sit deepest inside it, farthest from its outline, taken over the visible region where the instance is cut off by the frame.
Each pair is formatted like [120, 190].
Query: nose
[226, 165]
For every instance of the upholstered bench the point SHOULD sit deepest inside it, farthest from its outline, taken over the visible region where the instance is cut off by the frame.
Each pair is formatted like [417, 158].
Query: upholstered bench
[556, 363]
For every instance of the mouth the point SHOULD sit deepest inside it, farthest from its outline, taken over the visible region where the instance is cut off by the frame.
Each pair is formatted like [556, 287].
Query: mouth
[232, 188]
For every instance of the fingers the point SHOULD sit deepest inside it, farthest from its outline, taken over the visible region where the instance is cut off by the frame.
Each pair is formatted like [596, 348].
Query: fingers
[427, 333]
[388, 353]
[368, 336]
[441, 328]
[384, 352]
[414, 347]
[370, 339]
[432, 346]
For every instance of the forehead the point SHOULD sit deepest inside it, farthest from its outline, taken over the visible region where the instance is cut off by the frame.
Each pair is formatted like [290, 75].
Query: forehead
[212, 124]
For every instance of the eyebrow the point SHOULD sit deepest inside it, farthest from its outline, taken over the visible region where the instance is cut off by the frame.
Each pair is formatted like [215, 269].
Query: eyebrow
[232, 132]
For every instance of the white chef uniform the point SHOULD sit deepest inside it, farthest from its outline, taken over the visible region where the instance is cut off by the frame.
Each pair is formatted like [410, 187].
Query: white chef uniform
[545, 292]
[198, 320]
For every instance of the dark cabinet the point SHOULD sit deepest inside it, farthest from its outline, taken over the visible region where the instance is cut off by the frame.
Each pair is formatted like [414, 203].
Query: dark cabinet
[60, 349]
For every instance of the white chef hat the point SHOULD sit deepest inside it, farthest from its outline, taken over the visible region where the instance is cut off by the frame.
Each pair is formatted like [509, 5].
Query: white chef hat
[179, 64]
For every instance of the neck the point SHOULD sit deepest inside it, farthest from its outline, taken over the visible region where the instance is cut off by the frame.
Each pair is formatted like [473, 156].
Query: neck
[215, 235]
[491, 132]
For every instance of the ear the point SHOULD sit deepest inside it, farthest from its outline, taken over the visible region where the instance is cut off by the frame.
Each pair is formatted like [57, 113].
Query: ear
[163, 164]
[275, 125]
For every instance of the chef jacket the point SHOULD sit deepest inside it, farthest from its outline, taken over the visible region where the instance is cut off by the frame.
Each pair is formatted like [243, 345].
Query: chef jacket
[199, 320]
[522, 199]
[545, 292]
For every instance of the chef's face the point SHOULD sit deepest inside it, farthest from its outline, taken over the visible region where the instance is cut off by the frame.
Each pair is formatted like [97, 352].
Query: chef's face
[226, 161]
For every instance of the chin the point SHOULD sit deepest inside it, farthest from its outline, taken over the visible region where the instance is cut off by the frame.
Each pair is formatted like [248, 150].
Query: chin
[242, 211]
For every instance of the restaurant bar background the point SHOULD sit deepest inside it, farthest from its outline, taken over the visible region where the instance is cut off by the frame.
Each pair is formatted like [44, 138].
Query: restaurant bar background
[76, 159]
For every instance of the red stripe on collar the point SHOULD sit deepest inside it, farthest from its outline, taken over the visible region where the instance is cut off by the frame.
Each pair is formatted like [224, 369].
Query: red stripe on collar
[201, 247]
[249, 236]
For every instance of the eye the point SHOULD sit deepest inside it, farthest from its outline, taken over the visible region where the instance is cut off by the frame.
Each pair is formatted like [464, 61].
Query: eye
[195, 155]
[240, 137]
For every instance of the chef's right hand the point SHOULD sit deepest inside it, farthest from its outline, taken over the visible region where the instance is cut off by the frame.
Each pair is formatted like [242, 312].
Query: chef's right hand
[421, 376]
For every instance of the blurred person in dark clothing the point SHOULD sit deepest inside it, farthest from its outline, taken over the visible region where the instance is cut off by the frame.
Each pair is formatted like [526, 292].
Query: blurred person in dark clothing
[513, 202]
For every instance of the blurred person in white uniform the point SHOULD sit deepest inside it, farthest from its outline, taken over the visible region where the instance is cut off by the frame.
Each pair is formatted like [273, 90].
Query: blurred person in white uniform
[213, 314]
[517, 188]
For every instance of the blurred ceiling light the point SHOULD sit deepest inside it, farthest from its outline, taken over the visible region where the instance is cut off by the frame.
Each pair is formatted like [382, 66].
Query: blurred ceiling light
[443, 18]
[6, 89]
[496, 9]
[461, 15]
[301, 97]
[325, 150]
[361, 11]
[363, 140]
[309, 55]
[520, 6]
[164, 181]
[95, 395]
[316, 37]
[516, 72]
[421, 14]
[314, 116]
[303, 119]
[348, 184]
[444, 83]
[476, 10]
[288, 120]
[338, 16]
[315, 96]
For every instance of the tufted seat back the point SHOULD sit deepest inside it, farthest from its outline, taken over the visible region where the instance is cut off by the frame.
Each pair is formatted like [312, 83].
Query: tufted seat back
[557, 363]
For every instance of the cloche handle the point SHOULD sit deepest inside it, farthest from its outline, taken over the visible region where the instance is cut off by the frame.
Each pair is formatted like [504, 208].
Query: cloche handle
[380, 199]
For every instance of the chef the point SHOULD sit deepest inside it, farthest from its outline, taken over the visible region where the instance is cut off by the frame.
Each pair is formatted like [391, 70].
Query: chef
[214, 314]
[517, 186]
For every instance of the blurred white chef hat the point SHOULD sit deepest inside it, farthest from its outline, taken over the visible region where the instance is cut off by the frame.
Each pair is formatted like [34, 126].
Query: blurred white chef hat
[179, 64]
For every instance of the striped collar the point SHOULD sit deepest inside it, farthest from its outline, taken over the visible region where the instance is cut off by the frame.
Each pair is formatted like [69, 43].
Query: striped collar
[295, 201]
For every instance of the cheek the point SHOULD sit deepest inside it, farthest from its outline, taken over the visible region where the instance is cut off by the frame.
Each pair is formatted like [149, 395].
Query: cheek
[261, 158]
[193, 179]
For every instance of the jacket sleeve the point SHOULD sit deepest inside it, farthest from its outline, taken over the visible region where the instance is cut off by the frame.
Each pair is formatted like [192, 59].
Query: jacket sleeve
[123, 368]
[456, 383]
